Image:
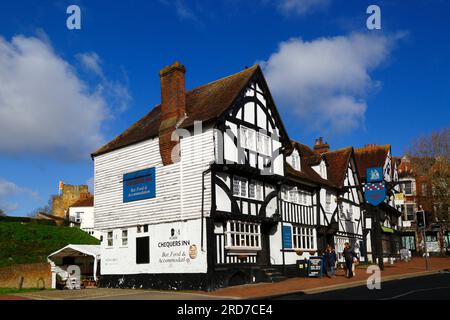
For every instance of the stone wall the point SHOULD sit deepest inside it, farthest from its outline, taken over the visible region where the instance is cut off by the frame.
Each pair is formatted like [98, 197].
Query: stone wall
[37, 275]
[69, 195]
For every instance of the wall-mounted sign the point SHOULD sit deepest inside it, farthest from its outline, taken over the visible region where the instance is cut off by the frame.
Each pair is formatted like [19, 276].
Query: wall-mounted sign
[375, 193]
[287, 237]
[315, 267]
[374, 174]
[399, 198]
[139, 185]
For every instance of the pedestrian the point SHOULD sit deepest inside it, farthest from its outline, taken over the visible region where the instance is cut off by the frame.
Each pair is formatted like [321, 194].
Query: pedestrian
[349, 255]
[330, 261]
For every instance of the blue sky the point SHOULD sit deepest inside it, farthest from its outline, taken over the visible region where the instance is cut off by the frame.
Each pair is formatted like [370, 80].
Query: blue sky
[63, 93]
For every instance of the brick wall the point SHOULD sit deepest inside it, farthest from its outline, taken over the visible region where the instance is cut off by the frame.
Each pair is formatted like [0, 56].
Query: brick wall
[37, 275]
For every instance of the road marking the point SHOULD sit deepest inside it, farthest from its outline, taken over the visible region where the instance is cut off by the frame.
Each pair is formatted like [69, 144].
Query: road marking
[415, 291]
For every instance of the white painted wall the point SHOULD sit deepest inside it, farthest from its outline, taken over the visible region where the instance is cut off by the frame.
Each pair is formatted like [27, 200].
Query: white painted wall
[178, 186]
[87, 219]
[120, 259]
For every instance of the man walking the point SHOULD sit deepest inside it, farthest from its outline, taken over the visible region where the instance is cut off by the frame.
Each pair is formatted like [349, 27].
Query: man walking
[349, 255]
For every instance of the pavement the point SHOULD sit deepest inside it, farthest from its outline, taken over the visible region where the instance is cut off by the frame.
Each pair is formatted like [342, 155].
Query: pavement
[399, 270]
[308, 286]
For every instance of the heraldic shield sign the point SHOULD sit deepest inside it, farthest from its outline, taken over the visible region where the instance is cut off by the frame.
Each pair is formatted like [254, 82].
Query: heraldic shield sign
[375, 189]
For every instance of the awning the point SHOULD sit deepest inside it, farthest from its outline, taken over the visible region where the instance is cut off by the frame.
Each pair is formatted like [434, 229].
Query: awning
[387, 230]
[79, 250]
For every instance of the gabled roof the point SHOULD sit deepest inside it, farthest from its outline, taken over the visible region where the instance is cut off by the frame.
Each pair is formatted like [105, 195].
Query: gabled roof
[307, 156]
[370, 157]
[204, 103]
[86, 202]
[338, 163]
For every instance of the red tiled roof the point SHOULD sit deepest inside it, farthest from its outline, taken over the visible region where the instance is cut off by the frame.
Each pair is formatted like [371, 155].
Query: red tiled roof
[370, 157]
[307, 155]
[204, 103]
[87, 202]
[338, 163]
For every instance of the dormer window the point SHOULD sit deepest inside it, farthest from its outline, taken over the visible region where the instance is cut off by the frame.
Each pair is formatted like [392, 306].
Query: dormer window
[323, 170]
[296, 162]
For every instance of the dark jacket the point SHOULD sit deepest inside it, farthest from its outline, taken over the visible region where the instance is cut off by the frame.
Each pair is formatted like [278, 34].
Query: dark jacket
[349, 254]
[330, 258]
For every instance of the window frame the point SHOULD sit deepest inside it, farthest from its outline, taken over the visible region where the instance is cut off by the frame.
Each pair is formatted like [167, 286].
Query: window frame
[124, 244]
[242, 236]
[303, 238]
[110, 240]
[328, 201]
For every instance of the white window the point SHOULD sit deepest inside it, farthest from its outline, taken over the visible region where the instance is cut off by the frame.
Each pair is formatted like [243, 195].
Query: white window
[259, 191]
[408, 188]
[255, 190]
[248, 137]
[323, 169]
[109, 239]
[296, 162]
[240, 187]
[350, 212]
[293, 195]
[263, 144]
[328, 202]
[78, 217]
[124, 237]
[303, 238]
[242, 236]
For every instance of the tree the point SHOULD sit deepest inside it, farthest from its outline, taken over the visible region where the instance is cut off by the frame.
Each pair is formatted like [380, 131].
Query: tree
[430, 161]
[2, 213]
[46, 209]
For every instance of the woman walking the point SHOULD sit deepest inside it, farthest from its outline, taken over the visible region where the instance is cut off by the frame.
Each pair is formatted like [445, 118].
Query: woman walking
[330, 261]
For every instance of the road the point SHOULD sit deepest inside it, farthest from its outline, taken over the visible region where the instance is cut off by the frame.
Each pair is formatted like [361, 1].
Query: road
[432, 287]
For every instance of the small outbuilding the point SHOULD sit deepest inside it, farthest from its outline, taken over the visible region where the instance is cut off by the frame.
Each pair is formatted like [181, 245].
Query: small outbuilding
[86, 257]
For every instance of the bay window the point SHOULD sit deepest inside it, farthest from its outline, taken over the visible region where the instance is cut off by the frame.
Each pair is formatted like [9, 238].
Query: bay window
[240, 235]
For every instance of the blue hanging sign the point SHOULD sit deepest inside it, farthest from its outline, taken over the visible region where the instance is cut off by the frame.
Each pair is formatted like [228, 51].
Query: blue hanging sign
[374, 174]
[375, 193]
[287, 237]
[139, 185]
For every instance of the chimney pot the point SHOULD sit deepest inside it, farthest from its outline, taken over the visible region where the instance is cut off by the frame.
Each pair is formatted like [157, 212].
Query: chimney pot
[173, 108]
[320, 146]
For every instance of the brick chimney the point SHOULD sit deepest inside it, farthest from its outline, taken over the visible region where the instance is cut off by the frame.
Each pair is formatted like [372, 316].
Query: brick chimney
[173, 109]
[320, 146]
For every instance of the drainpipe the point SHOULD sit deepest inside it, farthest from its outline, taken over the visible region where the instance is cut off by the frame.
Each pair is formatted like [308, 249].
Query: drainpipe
[282, 229]
[203, 205]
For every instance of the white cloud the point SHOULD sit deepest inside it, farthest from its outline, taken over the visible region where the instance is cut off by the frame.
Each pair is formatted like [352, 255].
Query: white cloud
[8, 190]
[301, 7]
[183, 11]
[115, 92]
[91, 62]
[45, 108]
[325, 82]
